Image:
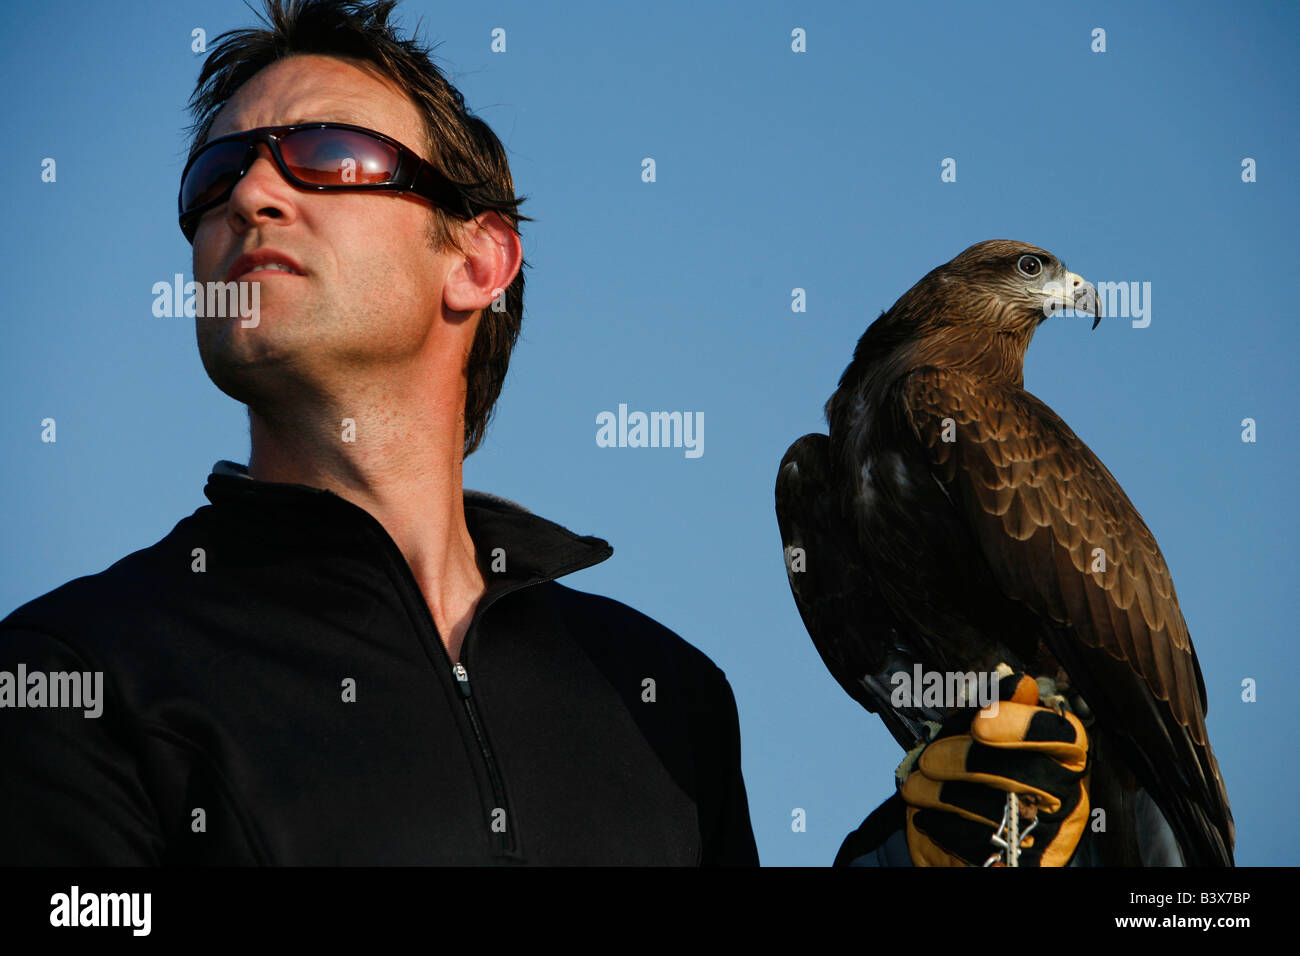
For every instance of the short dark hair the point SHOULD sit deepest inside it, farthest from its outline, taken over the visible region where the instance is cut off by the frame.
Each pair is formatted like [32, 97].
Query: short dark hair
[460, 145]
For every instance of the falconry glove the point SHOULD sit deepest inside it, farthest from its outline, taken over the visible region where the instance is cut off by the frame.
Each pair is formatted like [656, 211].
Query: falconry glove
[956, 786]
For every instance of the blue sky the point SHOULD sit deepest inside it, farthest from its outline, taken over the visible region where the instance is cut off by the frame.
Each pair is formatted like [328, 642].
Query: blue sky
[776, 170]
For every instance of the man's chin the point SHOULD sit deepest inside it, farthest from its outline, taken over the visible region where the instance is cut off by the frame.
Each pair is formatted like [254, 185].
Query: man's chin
[245, 372]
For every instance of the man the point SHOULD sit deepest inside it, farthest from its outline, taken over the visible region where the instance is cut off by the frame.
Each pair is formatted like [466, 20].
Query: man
[345, 658]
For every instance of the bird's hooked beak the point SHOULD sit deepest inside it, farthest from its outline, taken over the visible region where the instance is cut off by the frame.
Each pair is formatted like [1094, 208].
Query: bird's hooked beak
[1075, 293]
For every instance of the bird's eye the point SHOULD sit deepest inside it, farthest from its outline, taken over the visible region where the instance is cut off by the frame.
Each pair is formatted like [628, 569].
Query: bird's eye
[1029, 266]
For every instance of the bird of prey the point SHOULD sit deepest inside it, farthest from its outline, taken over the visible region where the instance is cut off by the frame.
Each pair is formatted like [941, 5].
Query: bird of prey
[952, 520]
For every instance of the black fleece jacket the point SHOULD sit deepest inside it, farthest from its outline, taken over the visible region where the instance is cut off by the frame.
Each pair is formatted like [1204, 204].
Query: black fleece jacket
[275, 692]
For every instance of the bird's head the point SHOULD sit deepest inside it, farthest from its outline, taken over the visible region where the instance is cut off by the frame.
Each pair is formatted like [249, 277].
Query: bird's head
[978, 311]
[1007, 286]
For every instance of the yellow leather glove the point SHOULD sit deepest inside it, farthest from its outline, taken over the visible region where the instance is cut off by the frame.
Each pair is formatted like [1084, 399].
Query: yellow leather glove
[956, 791]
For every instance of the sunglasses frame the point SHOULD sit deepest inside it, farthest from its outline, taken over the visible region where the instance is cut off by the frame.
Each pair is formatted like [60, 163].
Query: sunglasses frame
[413, 173]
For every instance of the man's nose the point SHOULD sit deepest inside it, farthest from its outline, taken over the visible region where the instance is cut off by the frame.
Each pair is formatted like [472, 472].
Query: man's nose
[261, 193]
[263, 164]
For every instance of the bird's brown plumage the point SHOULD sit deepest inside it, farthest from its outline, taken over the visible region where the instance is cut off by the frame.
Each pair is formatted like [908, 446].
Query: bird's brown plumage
[952, 519]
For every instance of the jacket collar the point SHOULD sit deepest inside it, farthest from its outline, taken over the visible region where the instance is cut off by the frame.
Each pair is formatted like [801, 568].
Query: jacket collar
[532, 548]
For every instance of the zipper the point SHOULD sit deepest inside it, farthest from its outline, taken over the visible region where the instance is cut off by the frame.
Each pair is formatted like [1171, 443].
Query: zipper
[503, 842]
[500, 842]
[504, 838]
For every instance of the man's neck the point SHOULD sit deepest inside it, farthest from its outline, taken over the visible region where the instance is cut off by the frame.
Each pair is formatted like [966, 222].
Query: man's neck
[404, 469]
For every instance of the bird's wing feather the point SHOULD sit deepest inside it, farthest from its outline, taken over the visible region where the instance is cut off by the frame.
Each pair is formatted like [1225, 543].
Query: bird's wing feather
[1044, 509]
[853, 630]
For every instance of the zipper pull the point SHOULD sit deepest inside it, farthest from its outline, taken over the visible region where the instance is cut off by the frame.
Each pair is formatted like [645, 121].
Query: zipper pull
[462, 677]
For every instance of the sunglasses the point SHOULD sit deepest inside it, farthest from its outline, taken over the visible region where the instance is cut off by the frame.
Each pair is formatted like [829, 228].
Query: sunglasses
[323, 157]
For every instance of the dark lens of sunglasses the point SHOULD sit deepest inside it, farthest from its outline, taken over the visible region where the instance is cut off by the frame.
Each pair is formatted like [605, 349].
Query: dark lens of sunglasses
[212, 174]
[338, 157]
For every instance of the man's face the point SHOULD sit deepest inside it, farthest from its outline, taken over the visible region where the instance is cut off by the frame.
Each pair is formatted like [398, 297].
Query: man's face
[371, 285]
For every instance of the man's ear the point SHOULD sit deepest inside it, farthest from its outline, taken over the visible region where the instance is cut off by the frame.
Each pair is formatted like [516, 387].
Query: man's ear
[492, 258]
